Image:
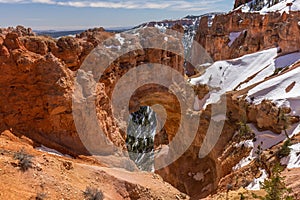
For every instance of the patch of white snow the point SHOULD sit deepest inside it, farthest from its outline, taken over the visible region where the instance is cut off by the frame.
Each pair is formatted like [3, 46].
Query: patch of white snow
[120, 38]
[293, 160]
[51, 151]
[256, 184]
[225, 76]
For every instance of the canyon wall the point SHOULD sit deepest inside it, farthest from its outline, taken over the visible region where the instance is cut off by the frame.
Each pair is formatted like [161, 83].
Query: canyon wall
[37, 87]
[236, 34]
[37, 84]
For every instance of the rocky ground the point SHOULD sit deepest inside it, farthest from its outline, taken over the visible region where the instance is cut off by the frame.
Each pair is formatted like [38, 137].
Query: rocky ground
[61, 177]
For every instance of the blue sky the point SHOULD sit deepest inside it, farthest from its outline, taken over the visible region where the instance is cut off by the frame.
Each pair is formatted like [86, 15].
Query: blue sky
[82, 14]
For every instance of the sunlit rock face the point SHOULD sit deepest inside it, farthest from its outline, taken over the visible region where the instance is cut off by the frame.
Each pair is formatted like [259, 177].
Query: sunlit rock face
[37, 86]
[37, 83]
[236, 34]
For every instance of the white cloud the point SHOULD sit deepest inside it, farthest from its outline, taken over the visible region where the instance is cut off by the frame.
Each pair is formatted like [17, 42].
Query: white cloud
[11, 1]
[44, 1]
[131, 4]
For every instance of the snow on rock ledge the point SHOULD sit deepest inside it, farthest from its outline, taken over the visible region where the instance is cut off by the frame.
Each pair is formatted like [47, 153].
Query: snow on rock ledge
[293, 160]
[282, 6]
[227, 75]
[256, 184]
[265, 140]
[283, 87]
[52, 151]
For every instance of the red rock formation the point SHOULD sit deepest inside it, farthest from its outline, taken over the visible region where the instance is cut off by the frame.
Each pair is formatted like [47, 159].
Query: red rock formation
[37, 84]
[20, 30]
[257, 32]
[36, 97]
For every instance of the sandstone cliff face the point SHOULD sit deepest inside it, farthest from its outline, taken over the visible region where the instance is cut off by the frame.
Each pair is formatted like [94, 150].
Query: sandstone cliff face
[266, 115]
[37, 83]
[36, 87]
[36, 95]
[237, 34]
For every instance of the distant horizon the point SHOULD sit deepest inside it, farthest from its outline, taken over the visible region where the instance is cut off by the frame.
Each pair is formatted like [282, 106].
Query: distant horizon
[78, 29]
[64, 15]
[106, 28]
[114, 27]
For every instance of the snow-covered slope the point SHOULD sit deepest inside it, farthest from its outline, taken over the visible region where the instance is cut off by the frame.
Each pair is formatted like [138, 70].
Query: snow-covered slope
[251, 69]
[283, 90]
[293, 160]
[264, 140]
[228, 75]
[265, 6]
[257, 182]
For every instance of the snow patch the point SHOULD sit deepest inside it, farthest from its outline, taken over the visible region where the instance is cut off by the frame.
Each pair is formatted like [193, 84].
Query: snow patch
[293, 160]
[71, 35]
[246, 143]
[219, 117]
[264, 140]
[206, 65]
[210, 21]
[256, 184]
[282, 7]
[120, 38]
[113, 47]
[268, 71]
[268, 139]
[296, 131]
[275, 90]
[282, 103]
[161, 27]
[225, 76]
[52, 151]
[279, 7]
[244, 162]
